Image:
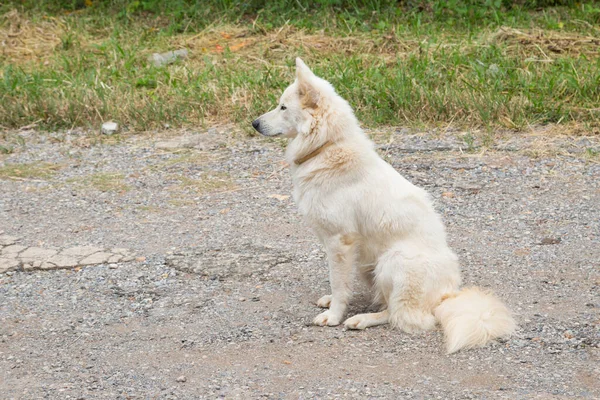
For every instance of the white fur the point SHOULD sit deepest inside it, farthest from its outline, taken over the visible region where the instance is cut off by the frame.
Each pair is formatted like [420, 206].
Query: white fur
[374, 223]
[473, 318]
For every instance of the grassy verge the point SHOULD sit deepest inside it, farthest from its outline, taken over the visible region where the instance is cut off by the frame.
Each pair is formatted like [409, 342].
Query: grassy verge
[71, 64]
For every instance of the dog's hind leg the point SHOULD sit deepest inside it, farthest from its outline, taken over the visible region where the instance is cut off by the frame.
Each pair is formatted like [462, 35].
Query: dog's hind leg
[401, 281]
[363, 321]
[341, 254]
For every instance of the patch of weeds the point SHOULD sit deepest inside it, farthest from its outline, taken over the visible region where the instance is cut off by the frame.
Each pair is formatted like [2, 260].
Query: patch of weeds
[108, 182]
[6, 149]
[592, 153]
[41, 171]
[145, 82]
[488, 140]
[9, 142]
[186, 158]
[111, 140]
[181, 202]
[149, 209]
[67, 41]
[469, 140]
[208, 183]
[103, 181]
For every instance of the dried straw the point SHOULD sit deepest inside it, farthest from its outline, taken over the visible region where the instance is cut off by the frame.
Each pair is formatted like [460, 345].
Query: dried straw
[22, 41]
[550, 44]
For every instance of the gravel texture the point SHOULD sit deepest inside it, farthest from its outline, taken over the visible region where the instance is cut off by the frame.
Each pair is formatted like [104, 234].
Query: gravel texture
[219, 296]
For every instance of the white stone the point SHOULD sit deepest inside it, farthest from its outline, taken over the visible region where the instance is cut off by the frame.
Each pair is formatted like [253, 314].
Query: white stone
[110, 127]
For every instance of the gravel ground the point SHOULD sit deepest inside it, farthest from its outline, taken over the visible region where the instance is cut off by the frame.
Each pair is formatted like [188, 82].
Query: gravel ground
[219, 301]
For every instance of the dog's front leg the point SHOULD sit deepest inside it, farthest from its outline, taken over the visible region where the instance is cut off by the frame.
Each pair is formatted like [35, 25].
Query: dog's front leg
[341, 255]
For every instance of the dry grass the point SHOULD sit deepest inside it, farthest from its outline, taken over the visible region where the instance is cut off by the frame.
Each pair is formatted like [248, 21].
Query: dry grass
[547, 44]
[102, 181]
[108, 182]
[273, 48]
[24, 40]
[28, 171]
[206, 184]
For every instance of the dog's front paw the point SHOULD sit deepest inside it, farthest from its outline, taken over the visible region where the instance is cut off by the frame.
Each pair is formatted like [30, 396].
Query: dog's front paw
[324, 301]
[357, 322]
[327, 318]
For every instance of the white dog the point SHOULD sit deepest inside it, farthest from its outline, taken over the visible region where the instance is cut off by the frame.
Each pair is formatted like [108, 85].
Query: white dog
[373, 221]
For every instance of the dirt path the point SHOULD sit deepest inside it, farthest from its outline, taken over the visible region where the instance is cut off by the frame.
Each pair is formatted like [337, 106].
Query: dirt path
[218, 288]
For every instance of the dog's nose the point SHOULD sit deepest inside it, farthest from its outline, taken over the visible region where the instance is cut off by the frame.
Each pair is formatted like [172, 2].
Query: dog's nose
[255, 124]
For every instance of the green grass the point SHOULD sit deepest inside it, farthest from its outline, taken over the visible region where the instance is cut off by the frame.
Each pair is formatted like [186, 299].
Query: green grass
[32, 171]
[108, 182]
[423, 63]
[103, 182]
[207, 184]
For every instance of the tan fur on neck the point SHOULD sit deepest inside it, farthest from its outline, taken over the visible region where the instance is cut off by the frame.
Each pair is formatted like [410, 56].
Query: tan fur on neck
[312, 154]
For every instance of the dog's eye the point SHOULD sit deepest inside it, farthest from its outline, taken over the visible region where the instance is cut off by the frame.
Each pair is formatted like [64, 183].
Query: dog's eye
[283, 107]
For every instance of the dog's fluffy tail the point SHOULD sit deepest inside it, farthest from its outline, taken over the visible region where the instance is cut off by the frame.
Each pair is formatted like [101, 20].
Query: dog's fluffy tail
[472, 317]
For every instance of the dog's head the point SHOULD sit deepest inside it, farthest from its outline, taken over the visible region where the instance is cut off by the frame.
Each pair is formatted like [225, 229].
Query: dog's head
[297, 106]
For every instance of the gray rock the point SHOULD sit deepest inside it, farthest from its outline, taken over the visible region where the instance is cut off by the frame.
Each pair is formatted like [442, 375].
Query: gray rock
[169, 57]
[550, 241]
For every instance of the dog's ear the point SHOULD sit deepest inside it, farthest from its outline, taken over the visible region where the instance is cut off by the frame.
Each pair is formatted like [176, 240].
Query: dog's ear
[302, 69]
[309, 95]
